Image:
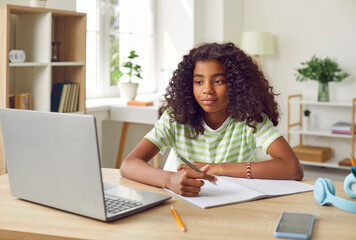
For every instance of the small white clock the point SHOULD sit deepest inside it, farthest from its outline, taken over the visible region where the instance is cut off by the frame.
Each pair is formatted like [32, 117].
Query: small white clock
[17, 55]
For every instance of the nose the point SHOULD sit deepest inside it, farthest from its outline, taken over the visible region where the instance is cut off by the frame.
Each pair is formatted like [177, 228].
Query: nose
[208, 89]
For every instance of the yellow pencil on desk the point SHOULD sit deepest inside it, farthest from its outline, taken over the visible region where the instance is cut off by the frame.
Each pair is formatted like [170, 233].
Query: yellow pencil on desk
[178, 219]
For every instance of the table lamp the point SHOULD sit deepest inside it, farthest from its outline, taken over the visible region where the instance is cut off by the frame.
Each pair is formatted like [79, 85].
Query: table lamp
[256, 44]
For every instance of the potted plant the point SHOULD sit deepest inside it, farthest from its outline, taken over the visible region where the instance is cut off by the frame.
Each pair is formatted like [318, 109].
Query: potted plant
[321, 70]
[127, 87]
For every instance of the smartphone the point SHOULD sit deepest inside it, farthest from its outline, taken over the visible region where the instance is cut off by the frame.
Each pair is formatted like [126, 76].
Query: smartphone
[295, 225]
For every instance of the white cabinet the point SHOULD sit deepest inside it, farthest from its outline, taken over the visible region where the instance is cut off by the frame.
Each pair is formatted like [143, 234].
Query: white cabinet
[318, 132]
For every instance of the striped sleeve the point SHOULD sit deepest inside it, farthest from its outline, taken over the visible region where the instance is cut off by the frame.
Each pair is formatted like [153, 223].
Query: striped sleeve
[266, 134]
[162, 134]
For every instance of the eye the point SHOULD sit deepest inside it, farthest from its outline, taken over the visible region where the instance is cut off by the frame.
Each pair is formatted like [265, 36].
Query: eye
[198, 82]
[219, 81]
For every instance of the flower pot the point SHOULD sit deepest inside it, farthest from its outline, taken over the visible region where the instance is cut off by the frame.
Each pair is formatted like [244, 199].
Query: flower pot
[128, 90]
[323, 92]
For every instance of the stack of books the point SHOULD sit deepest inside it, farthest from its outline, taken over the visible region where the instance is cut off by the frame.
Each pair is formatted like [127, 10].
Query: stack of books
[64, 97]
[341, 128]
[20, 101]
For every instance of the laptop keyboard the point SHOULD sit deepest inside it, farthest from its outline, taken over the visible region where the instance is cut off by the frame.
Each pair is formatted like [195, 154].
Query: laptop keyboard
[116, 205]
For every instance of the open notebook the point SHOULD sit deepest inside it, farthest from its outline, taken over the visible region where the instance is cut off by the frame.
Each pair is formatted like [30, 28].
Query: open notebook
[234, 190]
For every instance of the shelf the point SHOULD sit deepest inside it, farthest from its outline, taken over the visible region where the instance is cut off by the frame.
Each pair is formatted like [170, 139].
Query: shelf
[29, 64]
[67, 64]
[336, 104]
[33, 30]
[329, 164]
[43, 64]
[313, 136]
[320, 133]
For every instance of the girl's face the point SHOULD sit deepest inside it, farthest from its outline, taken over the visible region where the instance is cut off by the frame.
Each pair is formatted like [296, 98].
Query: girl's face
[210, 87]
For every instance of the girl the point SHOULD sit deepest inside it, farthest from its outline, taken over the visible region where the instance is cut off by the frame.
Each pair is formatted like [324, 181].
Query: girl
[218, 108]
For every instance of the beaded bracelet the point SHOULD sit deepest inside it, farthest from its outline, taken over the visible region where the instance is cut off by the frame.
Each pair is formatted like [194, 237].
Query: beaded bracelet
[248, 170]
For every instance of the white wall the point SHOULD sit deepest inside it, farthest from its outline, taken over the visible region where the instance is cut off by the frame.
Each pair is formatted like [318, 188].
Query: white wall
[303, 28]
[208, 21]
[233, 20]
[175, 34]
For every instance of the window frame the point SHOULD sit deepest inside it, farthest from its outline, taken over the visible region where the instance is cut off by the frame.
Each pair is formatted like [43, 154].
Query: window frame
[103, 88]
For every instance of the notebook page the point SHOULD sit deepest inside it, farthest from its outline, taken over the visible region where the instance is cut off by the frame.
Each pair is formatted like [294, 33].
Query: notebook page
[225, 192]
[272, 187]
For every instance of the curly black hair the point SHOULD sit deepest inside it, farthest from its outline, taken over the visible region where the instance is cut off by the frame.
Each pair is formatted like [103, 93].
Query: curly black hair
[249, 93]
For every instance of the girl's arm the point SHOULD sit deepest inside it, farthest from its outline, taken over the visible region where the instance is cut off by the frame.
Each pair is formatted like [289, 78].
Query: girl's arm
[283, 165]
[185, 182]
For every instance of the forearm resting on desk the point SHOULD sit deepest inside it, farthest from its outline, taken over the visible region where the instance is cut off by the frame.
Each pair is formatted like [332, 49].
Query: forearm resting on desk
[186, 182]
[270, 169]
[138, 170]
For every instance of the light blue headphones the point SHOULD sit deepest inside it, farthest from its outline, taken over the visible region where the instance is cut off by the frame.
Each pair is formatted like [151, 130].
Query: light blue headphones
[324, 193]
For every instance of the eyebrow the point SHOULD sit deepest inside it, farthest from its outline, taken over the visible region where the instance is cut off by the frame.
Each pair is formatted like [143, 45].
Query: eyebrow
[214, 75]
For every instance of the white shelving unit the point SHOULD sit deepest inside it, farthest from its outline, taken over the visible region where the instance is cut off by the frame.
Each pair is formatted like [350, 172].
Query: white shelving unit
[33, 30]
[320, 133]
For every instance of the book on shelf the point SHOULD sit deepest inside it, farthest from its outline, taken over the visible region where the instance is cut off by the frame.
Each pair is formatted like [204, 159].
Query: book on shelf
[12, 101]
[231, 190]
[341, 128]
[346, 162]
[72, 98]
[69, 98]
[64, 97]
[20, 101]
[76, 98]
[56, 96]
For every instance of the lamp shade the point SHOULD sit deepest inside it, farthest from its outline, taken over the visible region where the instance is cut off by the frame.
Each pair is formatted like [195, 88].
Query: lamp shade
[257, 43]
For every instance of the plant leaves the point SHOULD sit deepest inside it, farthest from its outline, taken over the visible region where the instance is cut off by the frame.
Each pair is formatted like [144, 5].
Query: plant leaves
[322, 70]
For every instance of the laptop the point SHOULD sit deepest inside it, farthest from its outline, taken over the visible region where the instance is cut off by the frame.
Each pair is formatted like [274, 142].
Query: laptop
[53, 159]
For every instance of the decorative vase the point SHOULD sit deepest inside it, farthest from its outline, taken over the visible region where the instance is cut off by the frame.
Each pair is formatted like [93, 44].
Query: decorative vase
[128, 90]
[323, 92]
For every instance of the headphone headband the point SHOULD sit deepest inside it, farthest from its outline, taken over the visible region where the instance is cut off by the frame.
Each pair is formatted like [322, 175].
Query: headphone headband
[324, 193]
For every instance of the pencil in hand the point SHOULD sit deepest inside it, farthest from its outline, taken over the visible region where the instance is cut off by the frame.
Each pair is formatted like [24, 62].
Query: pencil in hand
[178, 219]
[192, 166]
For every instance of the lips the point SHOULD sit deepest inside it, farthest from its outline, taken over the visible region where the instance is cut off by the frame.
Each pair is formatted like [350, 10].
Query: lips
[208, 101]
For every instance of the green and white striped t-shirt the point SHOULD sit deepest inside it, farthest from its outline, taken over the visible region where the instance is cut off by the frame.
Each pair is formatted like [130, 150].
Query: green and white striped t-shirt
[232, 142]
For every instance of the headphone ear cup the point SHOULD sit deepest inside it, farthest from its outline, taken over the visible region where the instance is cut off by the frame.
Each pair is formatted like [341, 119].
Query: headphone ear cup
[330, 185]
[320, 188]
[349, 181]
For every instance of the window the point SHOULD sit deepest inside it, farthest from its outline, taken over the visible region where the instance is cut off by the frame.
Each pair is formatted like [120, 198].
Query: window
[114, 28]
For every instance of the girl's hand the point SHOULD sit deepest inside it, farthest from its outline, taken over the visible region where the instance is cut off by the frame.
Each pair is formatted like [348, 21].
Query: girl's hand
[185, 182]
[199, 165]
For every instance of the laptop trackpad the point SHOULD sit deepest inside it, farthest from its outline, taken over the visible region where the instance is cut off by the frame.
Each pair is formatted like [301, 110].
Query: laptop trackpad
[108, 186]
[135, 194]
[124, 192]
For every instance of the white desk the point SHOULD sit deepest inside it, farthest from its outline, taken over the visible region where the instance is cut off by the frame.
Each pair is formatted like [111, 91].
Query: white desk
[115, 109]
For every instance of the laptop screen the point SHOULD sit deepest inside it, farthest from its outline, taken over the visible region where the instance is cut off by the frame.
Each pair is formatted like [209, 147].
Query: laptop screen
[53, 159]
